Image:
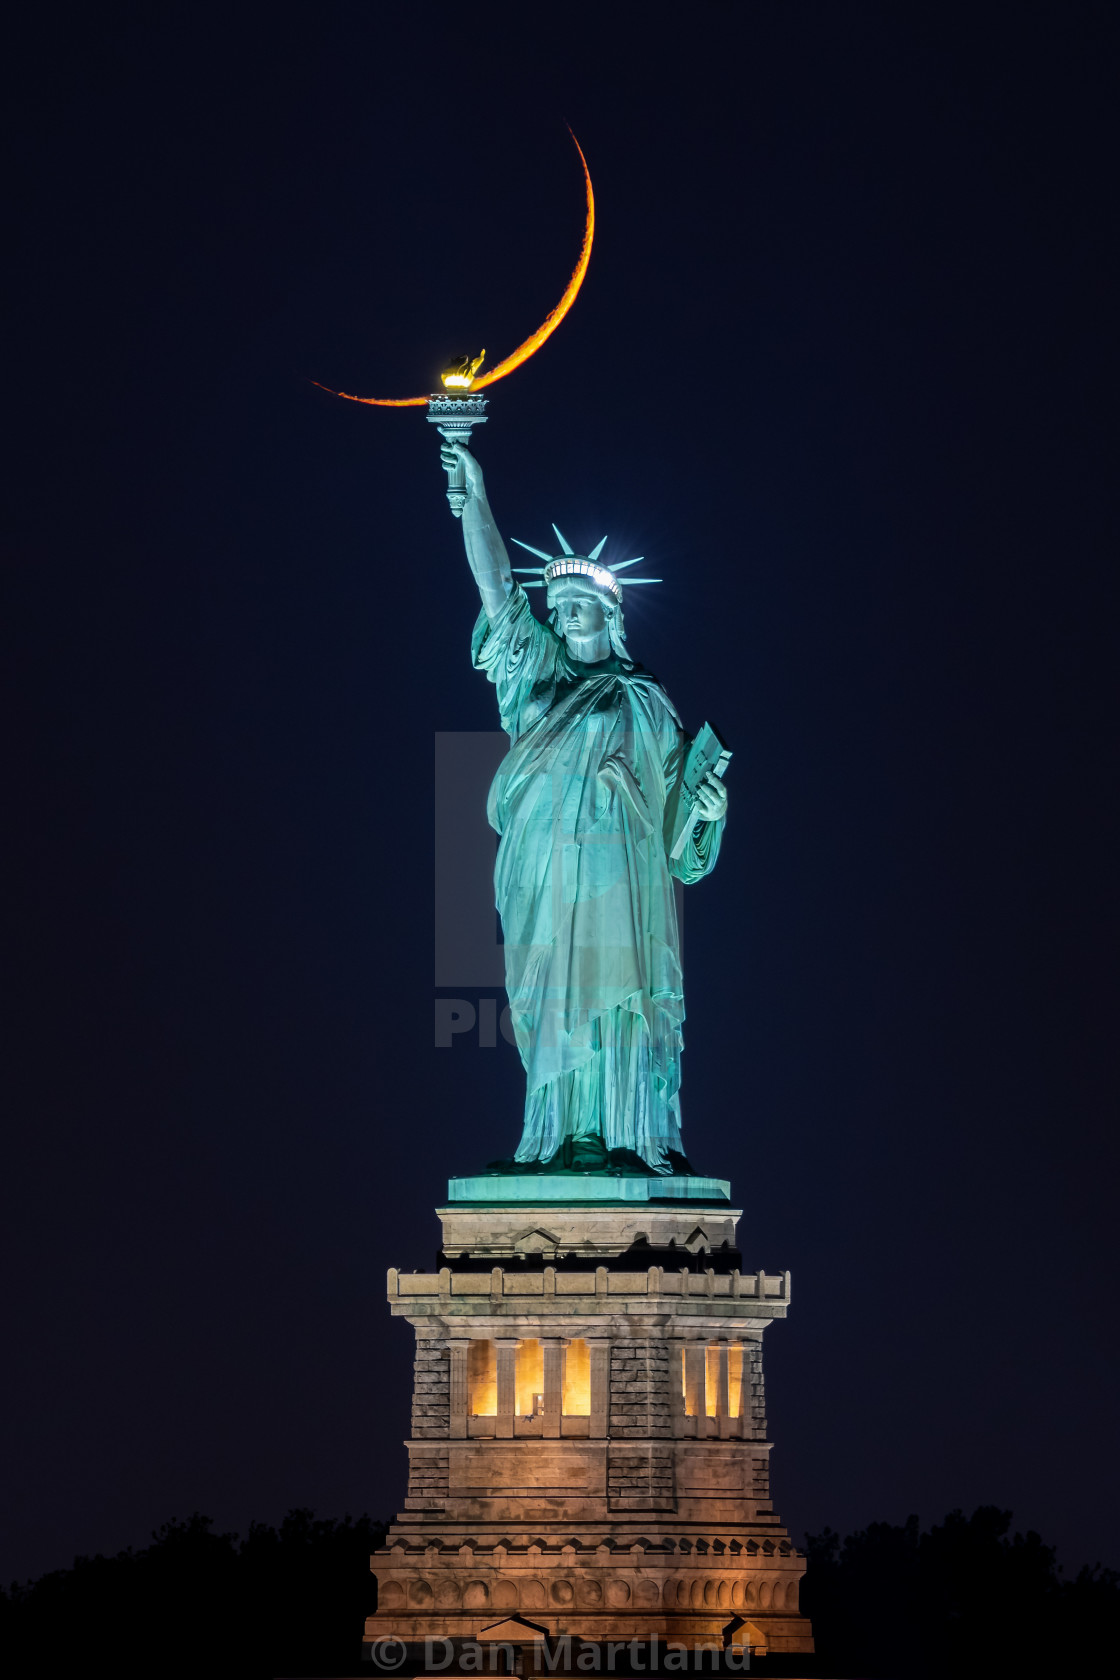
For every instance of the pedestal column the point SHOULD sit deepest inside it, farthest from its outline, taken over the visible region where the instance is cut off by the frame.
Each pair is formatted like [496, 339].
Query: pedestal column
[458, 1420]
[552, 1353]
[723, 1391]
[599, 1355]
[676, 1384]
[506, 1349]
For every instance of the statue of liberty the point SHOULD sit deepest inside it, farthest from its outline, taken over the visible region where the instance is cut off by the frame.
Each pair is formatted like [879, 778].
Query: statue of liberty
[586, 803]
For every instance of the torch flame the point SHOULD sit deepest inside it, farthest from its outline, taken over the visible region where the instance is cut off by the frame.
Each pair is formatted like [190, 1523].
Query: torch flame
[460, 375]
[533, 343]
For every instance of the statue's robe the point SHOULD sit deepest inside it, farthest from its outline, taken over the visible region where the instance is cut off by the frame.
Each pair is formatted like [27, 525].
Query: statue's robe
[584, 803]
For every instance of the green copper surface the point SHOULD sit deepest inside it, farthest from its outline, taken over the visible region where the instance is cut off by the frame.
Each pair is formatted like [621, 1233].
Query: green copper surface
[585, 803]
[529, 1187]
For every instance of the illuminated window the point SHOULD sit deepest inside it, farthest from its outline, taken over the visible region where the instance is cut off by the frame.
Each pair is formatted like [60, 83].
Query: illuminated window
[530, 1378]
[482, 1379]
[711, 1381]
[735, 1380]
[577, 1380]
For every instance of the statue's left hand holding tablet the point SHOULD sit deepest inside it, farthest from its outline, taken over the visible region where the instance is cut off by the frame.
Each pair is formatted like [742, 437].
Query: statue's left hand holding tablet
[711, 799]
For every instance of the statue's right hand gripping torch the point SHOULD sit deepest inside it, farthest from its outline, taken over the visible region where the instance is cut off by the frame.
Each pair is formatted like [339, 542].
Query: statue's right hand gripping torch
[455, 412]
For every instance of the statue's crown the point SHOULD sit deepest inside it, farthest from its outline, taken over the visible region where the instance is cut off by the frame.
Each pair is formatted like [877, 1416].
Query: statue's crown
[571, 564]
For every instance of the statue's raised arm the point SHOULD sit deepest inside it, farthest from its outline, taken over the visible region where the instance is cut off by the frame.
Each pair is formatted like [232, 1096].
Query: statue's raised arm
[486, 551]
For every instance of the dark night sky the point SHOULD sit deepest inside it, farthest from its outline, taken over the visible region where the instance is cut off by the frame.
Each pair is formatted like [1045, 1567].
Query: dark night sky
[844, 367]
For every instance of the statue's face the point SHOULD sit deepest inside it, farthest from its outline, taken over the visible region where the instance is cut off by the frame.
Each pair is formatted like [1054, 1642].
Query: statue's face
[580, 615]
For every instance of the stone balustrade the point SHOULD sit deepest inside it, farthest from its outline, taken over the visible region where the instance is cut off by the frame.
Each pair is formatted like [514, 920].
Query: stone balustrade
[767, 1289]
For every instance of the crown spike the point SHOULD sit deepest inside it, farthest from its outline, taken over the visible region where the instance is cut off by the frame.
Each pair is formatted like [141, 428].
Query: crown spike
[527, 571]
[629, 581]
[621, 565]
[562, 540]
[597, 550]
[529, 549]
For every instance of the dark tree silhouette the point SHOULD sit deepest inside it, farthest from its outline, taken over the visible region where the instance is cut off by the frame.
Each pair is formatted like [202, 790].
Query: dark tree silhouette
[895, 1602]
[889, 1602]
[286, 1601]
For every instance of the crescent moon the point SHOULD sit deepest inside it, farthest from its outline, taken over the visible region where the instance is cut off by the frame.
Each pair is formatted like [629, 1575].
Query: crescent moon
[533, 343]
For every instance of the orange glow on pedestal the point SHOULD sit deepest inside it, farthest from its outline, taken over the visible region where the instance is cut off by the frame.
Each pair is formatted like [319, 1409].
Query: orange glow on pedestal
[530, 1376]
[577, 1380]
[482, 1379]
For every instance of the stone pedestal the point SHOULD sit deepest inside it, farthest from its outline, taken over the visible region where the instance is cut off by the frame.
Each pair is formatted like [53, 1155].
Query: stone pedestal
[589, 1448]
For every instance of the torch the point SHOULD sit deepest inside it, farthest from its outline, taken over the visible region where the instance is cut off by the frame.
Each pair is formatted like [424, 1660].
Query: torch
[456, 412]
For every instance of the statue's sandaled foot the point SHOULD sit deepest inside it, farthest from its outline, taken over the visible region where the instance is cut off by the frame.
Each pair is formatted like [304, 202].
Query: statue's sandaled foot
[589, 1154]
[628, 1164]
